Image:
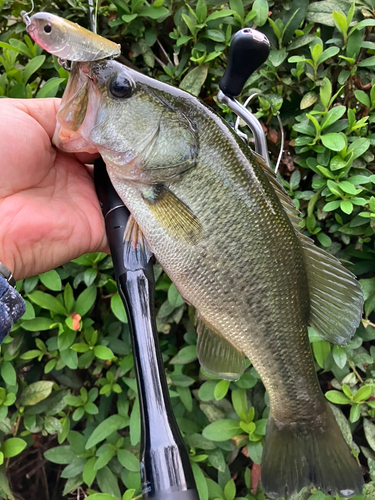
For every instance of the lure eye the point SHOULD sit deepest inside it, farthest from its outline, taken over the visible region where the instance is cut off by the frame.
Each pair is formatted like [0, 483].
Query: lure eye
[120, 87]
[47, 28]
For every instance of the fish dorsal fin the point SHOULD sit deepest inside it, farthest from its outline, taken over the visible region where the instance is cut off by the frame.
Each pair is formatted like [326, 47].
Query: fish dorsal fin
[336, 298]
[283, 196]
[172, 214]
[216, 355]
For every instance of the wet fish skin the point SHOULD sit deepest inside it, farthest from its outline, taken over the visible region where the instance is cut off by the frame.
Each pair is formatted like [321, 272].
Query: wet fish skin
[237, 257]
[68, 40]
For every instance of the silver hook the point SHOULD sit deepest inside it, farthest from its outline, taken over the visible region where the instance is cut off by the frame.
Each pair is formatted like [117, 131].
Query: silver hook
[25, 15]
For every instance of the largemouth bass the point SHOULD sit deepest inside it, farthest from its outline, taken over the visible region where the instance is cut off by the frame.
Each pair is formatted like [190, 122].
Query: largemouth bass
[227, 234]
[67, 40]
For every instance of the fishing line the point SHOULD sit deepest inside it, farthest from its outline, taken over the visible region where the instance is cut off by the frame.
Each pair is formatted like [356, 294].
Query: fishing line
[277, 114]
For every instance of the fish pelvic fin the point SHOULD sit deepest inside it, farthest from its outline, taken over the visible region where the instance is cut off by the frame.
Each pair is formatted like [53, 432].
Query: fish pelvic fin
[336, 297]
[172, 214]
[216, 355]
[309, 453]
[136, 252]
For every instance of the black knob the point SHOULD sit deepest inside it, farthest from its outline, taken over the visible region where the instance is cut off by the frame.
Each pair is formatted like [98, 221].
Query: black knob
[248, 51]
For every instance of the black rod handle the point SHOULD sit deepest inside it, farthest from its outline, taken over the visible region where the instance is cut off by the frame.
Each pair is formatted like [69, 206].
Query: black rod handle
[248, 50]
[165, 466]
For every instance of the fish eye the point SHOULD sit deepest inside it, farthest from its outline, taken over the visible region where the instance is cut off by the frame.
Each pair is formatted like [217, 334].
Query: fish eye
[120, 87]
[47, 28]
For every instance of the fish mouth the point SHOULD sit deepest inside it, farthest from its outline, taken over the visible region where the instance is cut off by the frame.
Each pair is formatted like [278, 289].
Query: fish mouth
[77, 115]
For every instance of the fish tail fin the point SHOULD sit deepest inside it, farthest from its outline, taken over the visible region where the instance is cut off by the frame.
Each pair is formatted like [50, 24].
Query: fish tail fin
[312, 453]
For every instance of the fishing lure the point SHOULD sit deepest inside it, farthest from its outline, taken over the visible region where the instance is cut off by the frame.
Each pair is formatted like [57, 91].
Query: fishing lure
[68, 40]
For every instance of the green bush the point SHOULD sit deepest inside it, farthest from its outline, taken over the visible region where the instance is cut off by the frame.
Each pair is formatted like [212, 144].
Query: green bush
[69, 413]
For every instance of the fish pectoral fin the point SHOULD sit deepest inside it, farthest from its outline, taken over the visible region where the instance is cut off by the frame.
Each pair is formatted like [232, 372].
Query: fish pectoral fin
[218, 356]
[172, 214]
[136, 252]
[336, 298]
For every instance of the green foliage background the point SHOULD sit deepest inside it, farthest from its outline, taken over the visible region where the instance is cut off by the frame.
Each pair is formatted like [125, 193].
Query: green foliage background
[69, 413]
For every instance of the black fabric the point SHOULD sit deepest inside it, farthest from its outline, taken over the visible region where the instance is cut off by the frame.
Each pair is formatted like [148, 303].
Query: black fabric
[12, 307]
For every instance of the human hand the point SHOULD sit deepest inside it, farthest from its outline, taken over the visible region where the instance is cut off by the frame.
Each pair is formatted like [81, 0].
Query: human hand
[49, 211]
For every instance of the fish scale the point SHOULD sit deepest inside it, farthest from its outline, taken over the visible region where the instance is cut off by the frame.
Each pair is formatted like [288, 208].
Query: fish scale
[228, 236]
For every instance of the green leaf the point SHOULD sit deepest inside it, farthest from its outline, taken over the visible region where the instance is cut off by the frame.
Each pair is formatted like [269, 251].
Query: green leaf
[346, 207]
[13, 447]
[37, 324]
[201, 11]
[218, 14]
[261, 9]
[230, 490]
[332, 205]
[185, 355]
[216, 35]
[154, 12]
[239, 401]
[363, 98]
[308, 100]
[337, 397]
[221, 389]
[195, 79]
[369, 429]
[85, 301]
[255, 449]
[118, 308]
[333, 141]
[339, 356]
[347, 187]
[36, 392]
[359, 147]
[174, 298]
[363, 393]
[8, 373]
[200, 481]
[102, 496]
[128, 18]
[89, 473]
[237, 6]
[128, 495]
[325, 93]
[47, 301]
[32, 66]
[107, 482]
[51, 280]
[340, 22]
[128, 460]
[60, 455]
[104, 353]
[324, 239]
[321, 350]
[332, 116]
[222, 430]
[135, 424]
[355, 413]
[104, 429]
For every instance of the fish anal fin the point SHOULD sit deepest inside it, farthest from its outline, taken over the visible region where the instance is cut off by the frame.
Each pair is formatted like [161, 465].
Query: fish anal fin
[172, 214]
[336, 297]
[216, 355]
